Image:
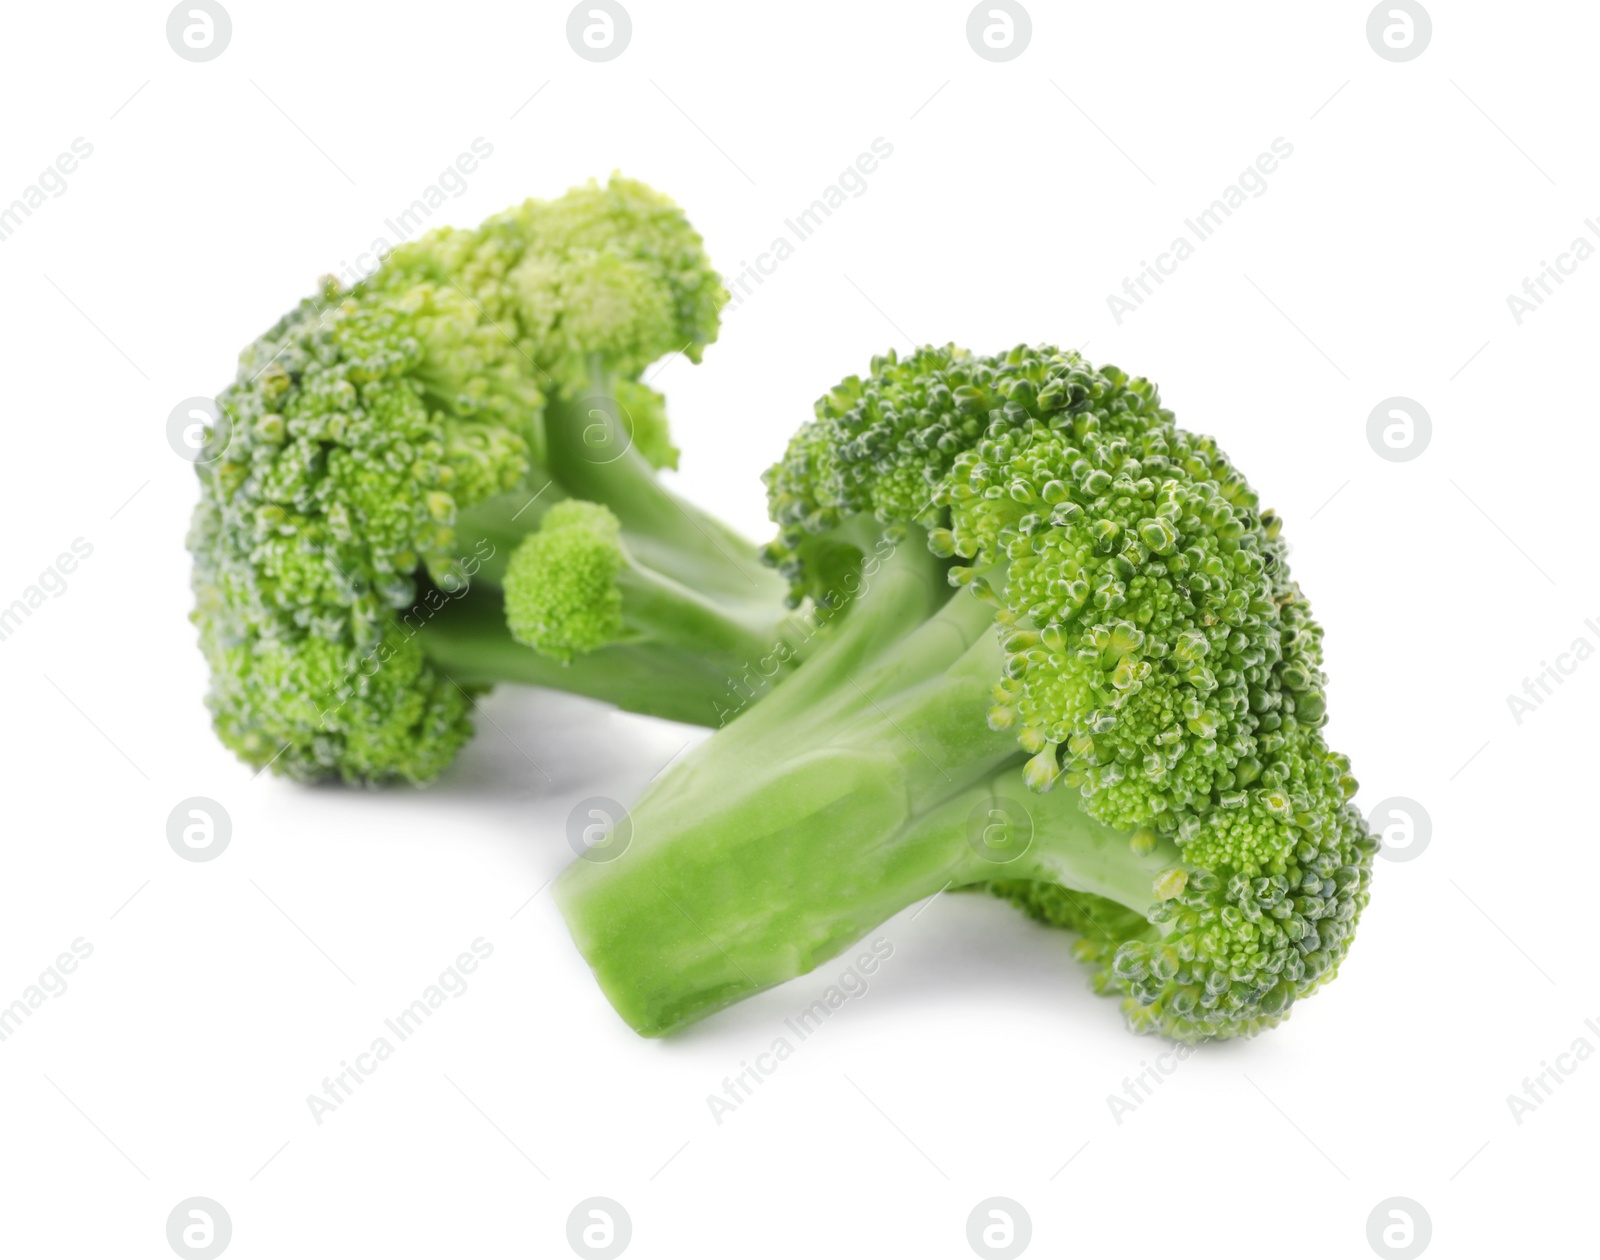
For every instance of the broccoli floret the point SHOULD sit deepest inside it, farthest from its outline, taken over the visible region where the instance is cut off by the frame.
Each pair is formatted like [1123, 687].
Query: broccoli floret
[387, 447]
[561, 589]
[1054, 587]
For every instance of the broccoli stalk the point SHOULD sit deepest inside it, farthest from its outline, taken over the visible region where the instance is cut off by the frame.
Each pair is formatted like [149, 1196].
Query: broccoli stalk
[629, 562]
[387, 449]
[858, 787]
[1054, 587]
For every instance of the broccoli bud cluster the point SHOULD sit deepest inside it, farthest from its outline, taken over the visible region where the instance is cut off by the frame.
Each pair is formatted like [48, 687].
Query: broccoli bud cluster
[329, 515]
[561, 587]
[1158, 657]
[362, 425]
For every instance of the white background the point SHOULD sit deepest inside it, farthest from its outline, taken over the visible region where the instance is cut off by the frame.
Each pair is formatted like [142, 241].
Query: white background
[1377, 263]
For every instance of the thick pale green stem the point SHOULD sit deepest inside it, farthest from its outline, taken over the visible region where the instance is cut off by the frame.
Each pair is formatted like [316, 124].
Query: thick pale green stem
[469, 642]
[708, 626]
[867, 781]
[682, 925]
[769, 848]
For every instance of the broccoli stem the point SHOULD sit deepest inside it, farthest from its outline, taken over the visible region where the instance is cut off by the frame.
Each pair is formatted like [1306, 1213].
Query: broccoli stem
[657, 608]
[852, 792]
[656, 605]
[708, 625]
[591, 456]
[468, 641]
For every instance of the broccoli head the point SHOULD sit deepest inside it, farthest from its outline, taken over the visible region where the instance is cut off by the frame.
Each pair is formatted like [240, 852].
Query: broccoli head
[386, 448]
[1046, 584]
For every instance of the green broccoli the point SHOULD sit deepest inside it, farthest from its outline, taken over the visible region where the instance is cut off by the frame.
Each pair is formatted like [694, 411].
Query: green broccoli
[1037, 581]
[387, 448]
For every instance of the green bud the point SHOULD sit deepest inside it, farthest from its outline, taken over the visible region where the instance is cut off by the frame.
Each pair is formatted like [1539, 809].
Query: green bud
[1170, 883]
